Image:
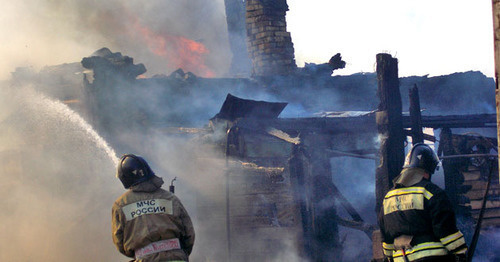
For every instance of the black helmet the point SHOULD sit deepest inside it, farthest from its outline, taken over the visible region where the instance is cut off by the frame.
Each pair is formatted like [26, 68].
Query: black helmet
[133, 170]
[422, 156]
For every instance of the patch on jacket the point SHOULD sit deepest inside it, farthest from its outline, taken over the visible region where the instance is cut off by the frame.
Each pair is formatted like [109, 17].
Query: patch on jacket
[403, 202]
[145, 207]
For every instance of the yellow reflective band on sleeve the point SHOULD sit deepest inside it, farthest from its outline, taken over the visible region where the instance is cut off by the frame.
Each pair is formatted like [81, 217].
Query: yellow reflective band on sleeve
[451, 238]
[455, 244]
[419, 251]
[461, 251]
[387, 246]
[453, 241]
[409, 190]
[388, 249]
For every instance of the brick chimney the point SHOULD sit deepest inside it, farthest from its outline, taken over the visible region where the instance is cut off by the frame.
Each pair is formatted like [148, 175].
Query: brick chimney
[269, 44]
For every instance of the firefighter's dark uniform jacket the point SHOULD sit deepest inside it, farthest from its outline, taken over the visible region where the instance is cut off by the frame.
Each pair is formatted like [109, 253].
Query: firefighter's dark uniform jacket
[420, 211]
[146, 214]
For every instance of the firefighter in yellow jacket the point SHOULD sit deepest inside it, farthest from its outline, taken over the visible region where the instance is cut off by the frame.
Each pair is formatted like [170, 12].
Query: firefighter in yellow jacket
[417, 220]
[149, 223]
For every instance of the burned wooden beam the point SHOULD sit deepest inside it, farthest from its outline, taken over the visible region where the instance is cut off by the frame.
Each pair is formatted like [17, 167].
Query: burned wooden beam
[336, 153]
[389, 125]
[426, 136]
[359, 225]
[235, 107]
[455, 121]
[328, 125]
[417, 135]
[367, 123]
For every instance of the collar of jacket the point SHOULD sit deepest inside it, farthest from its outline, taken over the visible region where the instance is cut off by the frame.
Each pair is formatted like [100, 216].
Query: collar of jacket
[409, 176]
[148, 186]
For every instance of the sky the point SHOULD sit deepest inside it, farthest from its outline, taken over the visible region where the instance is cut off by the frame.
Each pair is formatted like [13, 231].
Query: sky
[428, 37]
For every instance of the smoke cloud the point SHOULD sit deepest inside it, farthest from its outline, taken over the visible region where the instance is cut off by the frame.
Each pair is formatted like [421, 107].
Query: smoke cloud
[46, 32]
[57, 182]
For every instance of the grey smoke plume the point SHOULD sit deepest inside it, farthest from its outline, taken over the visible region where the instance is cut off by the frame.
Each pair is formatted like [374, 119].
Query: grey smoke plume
[57, 186]
[52, 32]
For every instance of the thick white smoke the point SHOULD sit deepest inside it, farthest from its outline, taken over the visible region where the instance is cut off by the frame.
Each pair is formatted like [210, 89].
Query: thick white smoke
[46, 32]
[57, 182]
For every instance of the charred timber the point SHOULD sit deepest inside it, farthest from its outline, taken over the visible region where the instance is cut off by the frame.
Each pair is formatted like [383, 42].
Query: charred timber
[389, 125]
[416, 116]
[455, 121]
[317, 125]
[366, 123]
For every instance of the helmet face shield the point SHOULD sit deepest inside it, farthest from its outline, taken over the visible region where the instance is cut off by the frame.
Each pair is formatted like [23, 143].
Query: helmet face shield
[132, 170]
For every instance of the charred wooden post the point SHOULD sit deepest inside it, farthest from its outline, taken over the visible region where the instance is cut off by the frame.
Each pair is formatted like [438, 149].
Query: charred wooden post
[390, 126]
[235, 17]
[417, 135]
[496, 28]
[325, 243]
[452, 175]
[269, 44]
[298, 167]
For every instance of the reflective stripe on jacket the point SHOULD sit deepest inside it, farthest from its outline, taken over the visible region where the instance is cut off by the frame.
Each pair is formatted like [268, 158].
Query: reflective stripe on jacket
[424, 212]
[147, 214]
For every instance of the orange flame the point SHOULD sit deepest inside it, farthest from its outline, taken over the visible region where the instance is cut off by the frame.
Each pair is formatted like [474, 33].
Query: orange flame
[180, 51]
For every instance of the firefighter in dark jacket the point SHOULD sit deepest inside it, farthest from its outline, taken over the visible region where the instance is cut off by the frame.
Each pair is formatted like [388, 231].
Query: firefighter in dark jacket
[417, 220]
[149, 223]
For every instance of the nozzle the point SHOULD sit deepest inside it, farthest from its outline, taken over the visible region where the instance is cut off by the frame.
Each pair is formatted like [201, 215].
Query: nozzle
[172, 187]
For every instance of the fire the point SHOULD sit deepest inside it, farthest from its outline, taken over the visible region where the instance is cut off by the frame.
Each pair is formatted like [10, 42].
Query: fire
[181, 52]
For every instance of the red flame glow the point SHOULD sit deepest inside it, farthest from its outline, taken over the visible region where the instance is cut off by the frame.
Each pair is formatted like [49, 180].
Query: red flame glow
[179, 51]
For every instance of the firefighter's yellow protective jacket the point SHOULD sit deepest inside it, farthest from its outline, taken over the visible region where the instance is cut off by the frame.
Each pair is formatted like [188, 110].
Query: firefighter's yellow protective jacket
[146, 214]
[419, 211]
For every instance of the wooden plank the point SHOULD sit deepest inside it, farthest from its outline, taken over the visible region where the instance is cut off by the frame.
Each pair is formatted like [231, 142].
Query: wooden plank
[490, 222]
[259, 189]
[260, 222]
[478, 194]
[456, 121]
[489, 213]
[476, 204]
[329, 125]
[265, 239]
[472, 175]
[254, 199]
[281, 209]
[265, 146]
[288, 233]
[478, 185]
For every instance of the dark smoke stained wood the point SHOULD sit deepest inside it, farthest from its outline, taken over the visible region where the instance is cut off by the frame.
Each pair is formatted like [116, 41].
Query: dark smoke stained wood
[389, 124]
[455, 121]
[417, 135]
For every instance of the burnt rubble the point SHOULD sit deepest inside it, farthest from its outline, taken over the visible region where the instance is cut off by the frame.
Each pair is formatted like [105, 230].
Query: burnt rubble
[105, 61]
[270, 123]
